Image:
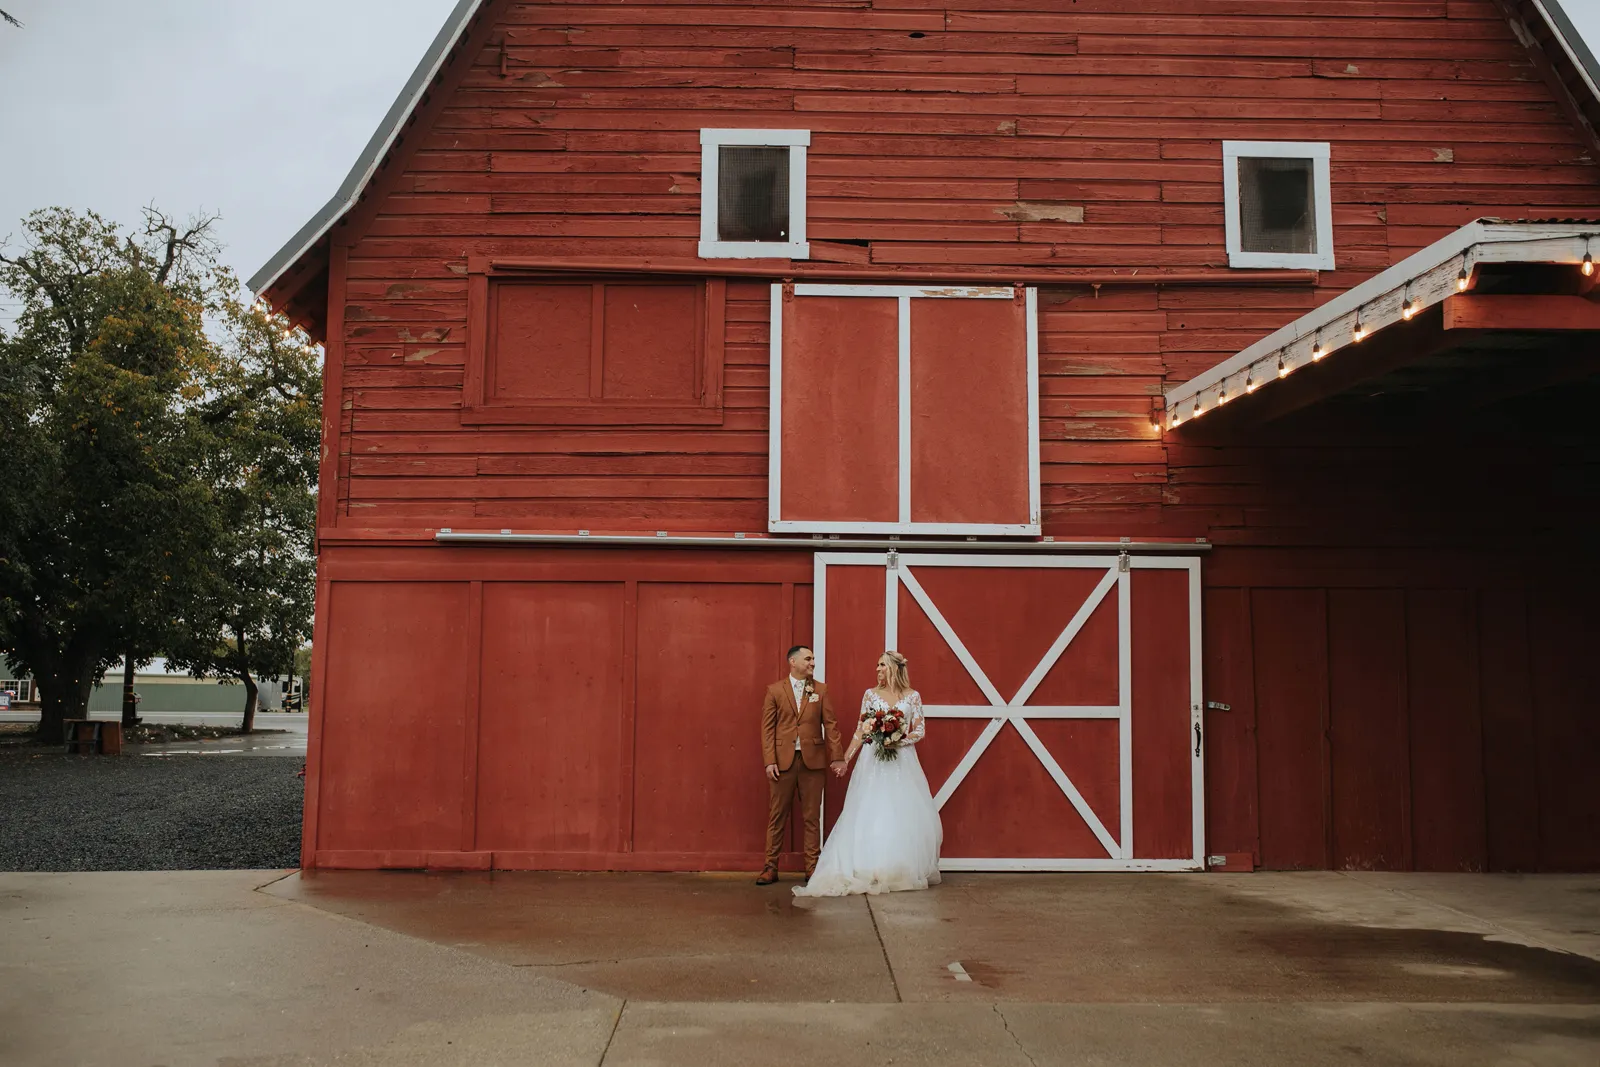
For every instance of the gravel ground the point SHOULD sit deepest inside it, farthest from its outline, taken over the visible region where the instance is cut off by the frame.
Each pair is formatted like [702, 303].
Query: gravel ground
[132, 813]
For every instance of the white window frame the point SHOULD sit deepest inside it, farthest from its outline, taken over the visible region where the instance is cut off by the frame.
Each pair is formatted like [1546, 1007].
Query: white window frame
[1322, 182]
[903, 294]
[797, 141]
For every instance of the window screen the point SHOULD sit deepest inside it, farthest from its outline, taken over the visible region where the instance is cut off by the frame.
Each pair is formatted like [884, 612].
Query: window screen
[753, 193]
[1277, 208]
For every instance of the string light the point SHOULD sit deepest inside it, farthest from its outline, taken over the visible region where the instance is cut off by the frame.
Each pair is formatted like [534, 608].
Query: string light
[1316, 348]
[1360, 331]
[1409, 308]
[1250, 383]
[1588, 260]
[1198, 410]
[1222, 394]
[1283, 371]
[1461, 279]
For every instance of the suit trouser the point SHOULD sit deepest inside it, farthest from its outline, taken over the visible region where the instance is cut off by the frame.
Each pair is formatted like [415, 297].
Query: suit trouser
[808, 784]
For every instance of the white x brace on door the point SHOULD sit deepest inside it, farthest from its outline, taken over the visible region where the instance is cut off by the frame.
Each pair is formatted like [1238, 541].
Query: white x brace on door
[1001, 600]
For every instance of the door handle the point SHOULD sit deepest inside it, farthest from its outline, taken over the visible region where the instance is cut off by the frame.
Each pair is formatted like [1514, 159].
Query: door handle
[1197, 739]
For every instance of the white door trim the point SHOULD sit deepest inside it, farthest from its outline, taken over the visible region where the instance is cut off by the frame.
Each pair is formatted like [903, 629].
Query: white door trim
[899, 571]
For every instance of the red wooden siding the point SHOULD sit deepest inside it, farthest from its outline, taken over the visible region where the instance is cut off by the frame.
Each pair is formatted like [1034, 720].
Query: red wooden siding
[941, 137]
[605, 699]
[1445, 743]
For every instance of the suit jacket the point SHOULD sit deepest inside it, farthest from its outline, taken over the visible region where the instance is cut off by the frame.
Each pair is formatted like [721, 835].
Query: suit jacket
[813, 723]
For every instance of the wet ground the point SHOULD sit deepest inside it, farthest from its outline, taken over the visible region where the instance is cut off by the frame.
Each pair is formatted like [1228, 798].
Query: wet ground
[260, 970]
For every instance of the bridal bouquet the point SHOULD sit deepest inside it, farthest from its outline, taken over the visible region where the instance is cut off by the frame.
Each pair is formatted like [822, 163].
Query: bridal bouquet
[885, 729]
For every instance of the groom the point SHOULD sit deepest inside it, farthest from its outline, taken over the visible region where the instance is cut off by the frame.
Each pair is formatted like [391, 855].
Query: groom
[795, 718]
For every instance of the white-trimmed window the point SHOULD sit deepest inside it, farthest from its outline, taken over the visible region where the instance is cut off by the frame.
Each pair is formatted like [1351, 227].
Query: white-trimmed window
[1277, 199]
[753, 194]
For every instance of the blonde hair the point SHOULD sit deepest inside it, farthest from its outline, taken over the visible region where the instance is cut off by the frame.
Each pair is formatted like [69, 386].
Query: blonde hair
[899, 676]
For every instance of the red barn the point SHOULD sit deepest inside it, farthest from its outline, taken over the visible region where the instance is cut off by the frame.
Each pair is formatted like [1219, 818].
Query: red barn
[1201, 393]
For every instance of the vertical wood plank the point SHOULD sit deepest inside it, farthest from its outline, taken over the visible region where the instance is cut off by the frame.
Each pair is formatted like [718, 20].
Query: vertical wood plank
[316, 715]
[475, 384]
[630, 715]
[1564, 634]
[472, 700]
[1447, 785]
[1290, 651]
[597, 341]
[716, 336]
[1232, 816]
[1369, 741]
[1510, 735]
[333, 349]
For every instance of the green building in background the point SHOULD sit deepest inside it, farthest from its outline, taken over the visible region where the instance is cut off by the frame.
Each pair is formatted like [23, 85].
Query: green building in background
[160, 691]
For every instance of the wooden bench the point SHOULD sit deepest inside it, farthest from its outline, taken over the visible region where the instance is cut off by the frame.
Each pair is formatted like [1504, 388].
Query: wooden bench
[93, 736]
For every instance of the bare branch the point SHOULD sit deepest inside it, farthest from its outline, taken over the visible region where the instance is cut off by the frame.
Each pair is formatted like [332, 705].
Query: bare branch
[8, 18]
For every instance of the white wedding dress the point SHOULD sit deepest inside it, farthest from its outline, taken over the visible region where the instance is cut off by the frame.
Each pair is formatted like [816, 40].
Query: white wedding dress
[887, 837]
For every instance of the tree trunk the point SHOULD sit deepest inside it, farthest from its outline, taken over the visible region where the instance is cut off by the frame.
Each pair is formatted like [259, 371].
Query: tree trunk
[130, 710]
[250, 694]
[64, 687]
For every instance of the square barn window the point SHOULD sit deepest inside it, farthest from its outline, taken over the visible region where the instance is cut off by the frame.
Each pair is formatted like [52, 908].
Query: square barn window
[1277, 200]
[581, 351]
[753, 194]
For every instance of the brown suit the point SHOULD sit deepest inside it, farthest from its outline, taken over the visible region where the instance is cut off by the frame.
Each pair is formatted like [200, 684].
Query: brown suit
[814, 725]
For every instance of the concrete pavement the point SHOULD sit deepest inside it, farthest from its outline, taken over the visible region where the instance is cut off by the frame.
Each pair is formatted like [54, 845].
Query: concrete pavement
[410, 968]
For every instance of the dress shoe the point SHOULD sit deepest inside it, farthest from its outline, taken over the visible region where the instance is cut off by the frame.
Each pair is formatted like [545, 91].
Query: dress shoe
[768, 876]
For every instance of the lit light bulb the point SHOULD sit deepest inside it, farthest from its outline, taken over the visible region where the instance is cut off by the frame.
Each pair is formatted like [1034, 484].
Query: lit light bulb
[1283, 371]
[1588, 265]
[1198, 410]
[1359, 332]
[1222, 396]
[1408, 309]
[1317, 351]
[1177, 417]
[1250, 383]
[1461, 281]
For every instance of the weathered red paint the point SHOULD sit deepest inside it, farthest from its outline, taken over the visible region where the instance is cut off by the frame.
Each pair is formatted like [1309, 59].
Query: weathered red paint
[1406, 689]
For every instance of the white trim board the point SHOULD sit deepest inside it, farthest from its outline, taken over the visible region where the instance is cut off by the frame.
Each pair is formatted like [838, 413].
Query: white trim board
[1322, 202]
[1426, 278]
[711, 245]
[899, 571]
[903, 524]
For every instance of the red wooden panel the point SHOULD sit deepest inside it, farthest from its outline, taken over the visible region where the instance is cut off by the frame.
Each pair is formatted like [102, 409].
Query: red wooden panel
[392, 758]
[1088, 751]
[1447, 786]
[1009, 617]
[1232, 823]
[1510, 733]
[1087, 671]
[1163, 743]
[652, 341]
[1009, 806]
[1289, 631]
[551, 716]
[840, 424]
[706, 653]
[935, 671]
[1369, 744]
[540, 338]
[804, 613]
[1563, 635]
[855, 641]
[969, 411]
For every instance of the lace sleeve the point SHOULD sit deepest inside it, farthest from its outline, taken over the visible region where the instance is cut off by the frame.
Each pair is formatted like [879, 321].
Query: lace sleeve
[919, 722]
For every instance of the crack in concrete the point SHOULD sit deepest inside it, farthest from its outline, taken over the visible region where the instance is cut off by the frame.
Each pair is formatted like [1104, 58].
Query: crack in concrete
[888, 966]
[1013, 1035]
[615, 1025]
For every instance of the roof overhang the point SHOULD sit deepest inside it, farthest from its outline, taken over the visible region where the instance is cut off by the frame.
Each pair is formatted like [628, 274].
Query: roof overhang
[1427, 304]
[372, 156]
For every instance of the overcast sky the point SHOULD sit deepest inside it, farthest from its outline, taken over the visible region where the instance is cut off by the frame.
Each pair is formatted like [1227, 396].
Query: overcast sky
[253, 110]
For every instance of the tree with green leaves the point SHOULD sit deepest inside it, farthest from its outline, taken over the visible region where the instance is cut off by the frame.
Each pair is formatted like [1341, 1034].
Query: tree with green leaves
[255, 611]
[101, 384]
[161, 480]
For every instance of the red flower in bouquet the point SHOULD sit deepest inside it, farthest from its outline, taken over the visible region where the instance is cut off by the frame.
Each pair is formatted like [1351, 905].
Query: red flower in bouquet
[886, 728]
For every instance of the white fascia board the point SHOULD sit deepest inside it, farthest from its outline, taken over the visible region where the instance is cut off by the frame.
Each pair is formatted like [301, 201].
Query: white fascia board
[367, 164]
[757, 137]
[1482, 241]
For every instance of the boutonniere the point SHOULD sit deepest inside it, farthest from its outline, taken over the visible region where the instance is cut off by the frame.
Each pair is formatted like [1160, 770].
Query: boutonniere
[810, 692]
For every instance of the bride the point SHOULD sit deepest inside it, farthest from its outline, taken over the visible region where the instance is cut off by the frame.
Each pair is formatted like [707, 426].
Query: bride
[888, 835]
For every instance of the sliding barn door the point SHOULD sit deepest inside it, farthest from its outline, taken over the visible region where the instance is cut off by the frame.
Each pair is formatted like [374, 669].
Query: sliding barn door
[901, 409]
[1063, 696]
